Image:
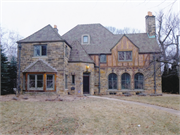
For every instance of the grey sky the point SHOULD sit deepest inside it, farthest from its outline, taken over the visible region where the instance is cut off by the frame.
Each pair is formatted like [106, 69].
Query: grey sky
[26, 17]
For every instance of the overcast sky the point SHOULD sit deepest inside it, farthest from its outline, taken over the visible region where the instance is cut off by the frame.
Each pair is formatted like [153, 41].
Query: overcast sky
[28, 16]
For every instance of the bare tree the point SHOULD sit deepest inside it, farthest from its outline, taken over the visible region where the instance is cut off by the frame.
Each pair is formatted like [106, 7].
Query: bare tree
[8, 41]
[168, 27]
[125, 30]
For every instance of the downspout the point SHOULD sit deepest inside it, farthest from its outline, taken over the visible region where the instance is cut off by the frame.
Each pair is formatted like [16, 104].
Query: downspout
[154, 58]
[99, 76]
[64, 67]
[19, 81]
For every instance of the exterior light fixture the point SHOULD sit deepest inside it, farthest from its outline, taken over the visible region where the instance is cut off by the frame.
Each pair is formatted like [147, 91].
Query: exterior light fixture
[87, 67]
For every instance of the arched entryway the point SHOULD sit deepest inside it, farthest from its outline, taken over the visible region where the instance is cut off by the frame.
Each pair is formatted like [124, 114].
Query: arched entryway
[112, 81]
[125, 81]
[139, 81]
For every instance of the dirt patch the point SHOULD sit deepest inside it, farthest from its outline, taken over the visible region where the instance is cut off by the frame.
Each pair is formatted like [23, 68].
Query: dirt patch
[42, 97]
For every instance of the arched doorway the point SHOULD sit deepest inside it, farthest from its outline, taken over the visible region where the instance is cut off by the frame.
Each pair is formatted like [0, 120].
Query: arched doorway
[112, 81]
[125, 81]
[139, 81]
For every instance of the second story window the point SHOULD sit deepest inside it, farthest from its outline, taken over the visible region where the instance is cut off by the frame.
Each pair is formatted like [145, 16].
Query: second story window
[125, 56]
[66, 51]
[85, 39]
[103, 58]
[40, 50]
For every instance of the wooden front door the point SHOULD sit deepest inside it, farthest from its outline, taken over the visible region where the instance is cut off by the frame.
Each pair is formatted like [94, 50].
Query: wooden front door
[85, 84]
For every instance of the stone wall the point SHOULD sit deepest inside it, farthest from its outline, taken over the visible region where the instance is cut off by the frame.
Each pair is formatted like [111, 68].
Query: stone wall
[78, 69]
[55, 57]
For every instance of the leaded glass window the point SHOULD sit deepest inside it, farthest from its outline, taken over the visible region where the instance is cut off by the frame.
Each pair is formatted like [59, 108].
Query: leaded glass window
[125, 55]
[139, 81]
[125, 81]
[112, 81]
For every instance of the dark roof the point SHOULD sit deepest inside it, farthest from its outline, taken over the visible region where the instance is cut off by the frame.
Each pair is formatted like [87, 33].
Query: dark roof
[39, 66]
[102, 40]
[46, 34]
[78, 54]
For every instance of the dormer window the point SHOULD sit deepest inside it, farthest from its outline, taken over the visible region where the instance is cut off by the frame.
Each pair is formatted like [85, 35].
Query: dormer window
[85, 39]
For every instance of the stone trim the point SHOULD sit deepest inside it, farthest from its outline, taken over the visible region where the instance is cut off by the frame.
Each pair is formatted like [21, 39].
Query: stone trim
[36, 62]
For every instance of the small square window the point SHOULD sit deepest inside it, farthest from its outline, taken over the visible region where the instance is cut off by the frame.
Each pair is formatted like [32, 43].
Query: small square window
[85, 39]
[103, 58]
[40, 50]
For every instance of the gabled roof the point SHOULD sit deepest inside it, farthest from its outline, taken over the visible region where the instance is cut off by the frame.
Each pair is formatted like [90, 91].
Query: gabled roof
[102, 40]
[39, 66]
[43, 35]
[78, 54]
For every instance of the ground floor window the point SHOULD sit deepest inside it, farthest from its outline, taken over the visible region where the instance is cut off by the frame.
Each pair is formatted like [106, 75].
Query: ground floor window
[65, 81]
[139, 81]
[50, 82]
[112, 81]
[42, 82]
[35, 82]
[125, 81]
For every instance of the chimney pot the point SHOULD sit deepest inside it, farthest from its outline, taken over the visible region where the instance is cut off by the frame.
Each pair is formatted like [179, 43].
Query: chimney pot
[55, 26]
[149, 13]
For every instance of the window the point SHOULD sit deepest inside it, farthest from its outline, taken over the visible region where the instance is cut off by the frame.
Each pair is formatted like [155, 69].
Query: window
[24, 81]
[103, 58]
[85, 39]
[125, 81]
[35, 82]
[73, 79]
[66, 51]
[65, 81]
[50, 82]
[125, 56]
[112, 81]
[40, 50]
[139, 80]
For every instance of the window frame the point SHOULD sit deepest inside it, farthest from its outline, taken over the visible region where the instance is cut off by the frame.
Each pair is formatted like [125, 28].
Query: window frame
[73, 79]
[124, 55]
[66, 79]
[88, 39]
[36, 88]
[40, 50]
[53, 82]
[103, 58]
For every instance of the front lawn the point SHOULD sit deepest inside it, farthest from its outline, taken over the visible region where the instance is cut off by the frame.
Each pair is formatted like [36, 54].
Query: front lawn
[167, 100]
[85, 116]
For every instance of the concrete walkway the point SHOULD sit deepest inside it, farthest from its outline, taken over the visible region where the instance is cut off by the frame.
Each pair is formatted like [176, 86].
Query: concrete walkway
[143, 104]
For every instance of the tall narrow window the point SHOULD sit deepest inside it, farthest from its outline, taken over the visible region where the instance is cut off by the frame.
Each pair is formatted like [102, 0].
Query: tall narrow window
[139, 81]
[66, 51]
[112, 79]
[50, 82]
[73, 79]
[66, 82]
[125, 81]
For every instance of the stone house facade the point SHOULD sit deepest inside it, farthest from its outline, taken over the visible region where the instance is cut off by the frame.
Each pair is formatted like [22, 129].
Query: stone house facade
[89, 59]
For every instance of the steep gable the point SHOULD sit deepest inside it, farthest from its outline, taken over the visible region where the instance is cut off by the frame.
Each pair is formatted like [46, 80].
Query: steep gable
[43, 35]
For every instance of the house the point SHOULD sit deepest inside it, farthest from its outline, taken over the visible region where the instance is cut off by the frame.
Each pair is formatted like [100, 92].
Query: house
[89, 59]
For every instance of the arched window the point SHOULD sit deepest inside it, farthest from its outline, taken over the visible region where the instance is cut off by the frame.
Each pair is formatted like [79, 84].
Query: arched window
[139, 81]
[112, 79]
[125, 81]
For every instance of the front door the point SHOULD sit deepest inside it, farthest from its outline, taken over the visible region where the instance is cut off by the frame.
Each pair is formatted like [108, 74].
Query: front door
[85, 84]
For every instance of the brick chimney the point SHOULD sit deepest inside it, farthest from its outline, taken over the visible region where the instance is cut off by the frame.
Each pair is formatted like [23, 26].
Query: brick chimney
[150, 25]
[55, 27]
